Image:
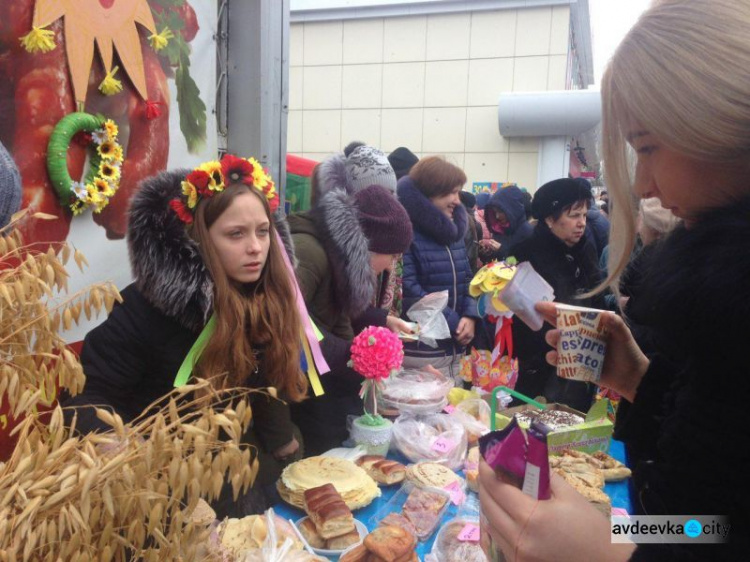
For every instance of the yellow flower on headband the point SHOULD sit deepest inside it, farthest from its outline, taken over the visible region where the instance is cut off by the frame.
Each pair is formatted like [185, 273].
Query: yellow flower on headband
[189, 191]
[216, 178]
[260, 177]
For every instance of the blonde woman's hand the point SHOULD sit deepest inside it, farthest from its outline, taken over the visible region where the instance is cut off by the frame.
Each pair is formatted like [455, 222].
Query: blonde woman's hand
[561, 529]
[624, 362]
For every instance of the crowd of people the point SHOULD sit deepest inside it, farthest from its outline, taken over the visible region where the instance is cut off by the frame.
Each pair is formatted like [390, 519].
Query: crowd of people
[384, 231]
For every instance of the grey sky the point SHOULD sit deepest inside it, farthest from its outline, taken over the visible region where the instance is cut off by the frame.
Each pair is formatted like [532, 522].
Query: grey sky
[610, 21]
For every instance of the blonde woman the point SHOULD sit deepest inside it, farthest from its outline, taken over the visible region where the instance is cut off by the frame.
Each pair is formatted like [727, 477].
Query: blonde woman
[203, 246]
[676, 96]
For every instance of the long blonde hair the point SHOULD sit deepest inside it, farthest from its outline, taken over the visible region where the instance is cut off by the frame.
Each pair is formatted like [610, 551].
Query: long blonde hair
[683, 73]
[263, 312]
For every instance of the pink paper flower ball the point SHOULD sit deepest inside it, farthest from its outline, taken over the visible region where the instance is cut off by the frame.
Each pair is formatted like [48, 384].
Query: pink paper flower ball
[376, 353]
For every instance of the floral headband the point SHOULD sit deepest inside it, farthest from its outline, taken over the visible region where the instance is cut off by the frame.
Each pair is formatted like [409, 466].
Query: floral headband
[212, 177]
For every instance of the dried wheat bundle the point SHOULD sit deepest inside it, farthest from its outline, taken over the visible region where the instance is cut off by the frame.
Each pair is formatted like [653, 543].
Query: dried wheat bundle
[125, 494]
[34, 361]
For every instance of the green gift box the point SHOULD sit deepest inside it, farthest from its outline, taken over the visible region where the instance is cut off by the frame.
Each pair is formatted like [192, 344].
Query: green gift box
[590, 436]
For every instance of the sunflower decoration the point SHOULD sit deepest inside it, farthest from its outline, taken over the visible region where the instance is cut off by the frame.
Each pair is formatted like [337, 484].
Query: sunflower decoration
[103, 178]
[212, 177]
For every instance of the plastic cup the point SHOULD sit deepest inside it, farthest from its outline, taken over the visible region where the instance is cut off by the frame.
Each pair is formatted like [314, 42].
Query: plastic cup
[582, 345]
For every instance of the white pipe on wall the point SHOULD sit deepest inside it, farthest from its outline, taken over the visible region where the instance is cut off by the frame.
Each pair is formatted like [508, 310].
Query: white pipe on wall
[543, 114]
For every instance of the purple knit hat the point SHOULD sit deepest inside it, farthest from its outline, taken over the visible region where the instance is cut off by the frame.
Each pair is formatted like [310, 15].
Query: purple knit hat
[384, 220]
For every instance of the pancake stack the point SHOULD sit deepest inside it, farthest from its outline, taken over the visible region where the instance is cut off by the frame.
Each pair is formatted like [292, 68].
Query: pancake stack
[357, 489]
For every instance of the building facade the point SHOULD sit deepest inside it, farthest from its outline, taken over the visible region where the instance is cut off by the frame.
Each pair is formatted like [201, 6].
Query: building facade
[428, 75]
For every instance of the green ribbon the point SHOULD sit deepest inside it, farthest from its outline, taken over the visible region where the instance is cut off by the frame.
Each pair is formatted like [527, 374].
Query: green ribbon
[186, 369]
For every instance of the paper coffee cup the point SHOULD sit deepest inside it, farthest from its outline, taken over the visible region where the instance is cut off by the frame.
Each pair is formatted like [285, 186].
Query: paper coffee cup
[582, 345]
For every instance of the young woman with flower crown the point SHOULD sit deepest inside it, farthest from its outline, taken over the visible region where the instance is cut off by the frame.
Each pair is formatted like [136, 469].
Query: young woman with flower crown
[203, 246]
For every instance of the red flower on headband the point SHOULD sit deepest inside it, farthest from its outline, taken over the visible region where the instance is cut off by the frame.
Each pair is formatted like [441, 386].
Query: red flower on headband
[236, 170]
[200, 180]
[182, 211]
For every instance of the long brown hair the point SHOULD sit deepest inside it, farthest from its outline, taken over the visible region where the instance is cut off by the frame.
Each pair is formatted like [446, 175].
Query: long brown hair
[264, 311]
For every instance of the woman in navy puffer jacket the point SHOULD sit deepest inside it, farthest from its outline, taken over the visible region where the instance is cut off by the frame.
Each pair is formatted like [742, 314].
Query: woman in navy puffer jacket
[436, 260]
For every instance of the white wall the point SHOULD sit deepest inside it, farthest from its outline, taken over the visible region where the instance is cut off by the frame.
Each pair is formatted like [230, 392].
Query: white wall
[429, 82]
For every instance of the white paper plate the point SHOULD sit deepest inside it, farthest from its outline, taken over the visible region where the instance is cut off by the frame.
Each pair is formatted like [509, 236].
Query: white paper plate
[361, 529]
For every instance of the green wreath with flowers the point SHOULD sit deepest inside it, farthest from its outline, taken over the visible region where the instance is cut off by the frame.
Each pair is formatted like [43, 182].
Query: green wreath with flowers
[101, 181]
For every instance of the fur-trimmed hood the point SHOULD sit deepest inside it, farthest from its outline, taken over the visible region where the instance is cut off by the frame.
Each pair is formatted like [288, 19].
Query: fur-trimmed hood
[427, 218]
[331, 175]
[166, 264]
[334, 223]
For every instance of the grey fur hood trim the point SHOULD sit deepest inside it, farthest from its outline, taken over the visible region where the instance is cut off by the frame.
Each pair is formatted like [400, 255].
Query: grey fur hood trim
[166, 263]
[332, 175]
[347, 249]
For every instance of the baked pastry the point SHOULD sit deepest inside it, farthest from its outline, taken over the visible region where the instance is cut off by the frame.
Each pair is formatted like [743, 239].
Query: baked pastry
[423, 509]
[342, 542]
[398, 520]
[554, 419]
[202, 514]
[453, 550]
[595, 496]
[613, 469]
[390, 543]
[329, 513]
[357, 489]
[432, 475]
[239, 535]
[382, 470]
[308, 530]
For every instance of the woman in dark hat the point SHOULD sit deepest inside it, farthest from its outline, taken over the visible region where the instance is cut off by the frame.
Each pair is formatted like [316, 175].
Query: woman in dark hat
[565, 258]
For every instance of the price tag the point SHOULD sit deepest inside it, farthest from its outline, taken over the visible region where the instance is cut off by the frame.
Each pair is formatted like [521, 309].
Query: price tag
[449, 409]
[456, 493]
[470, 533]
[443, 445]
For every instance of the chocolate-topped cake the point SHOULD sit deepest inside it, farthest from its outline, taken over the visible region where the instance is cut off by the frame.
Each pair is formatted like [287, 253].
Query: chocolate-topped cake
[554, 419]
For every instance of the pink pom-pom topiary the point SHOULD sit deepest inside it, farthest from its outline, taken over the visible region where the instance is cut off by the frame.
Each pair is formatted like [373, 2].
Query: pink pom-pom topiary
[376, 353]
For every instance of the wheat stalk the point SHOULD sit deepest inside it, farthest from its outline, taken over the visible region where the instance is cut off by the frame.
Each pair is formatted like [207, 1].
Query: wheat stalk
[127, 492]
[118, 495]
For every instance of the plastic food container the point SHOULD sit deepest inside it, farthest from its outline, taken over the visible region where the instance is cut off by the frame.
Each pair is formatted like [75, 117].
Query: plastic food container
[416, 392]
[425, 512]
[358, 525]
[437, 438]
[458, 540]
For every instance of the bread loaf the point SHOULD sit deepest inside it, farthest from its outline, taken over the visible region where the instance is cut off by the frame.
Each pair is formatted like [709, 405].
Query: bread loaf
[329, 513]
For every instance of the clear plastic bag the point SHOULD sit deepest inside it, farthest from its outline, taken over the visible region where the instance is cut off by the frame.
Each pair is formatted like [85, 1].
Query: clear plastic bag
[458, 539]
[428, 313]
[437, 438]
[415, 391]
[474, 415]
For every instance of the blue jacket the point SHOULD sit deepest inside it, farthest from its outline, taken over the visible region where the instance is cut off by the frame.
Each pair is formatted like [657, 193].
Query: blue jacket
[436, 261]
[508, 200]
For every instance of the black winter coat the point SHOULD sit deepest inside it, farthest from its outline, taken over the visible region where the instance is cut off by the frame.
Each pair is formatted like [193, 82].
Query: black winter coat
[688, 422]
[570, 272]
[132, 358]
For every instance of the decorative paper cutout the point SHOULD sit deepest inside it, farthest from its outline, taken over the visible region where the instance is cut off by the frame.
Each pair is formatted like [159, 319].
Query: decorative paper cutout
[108, 23]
